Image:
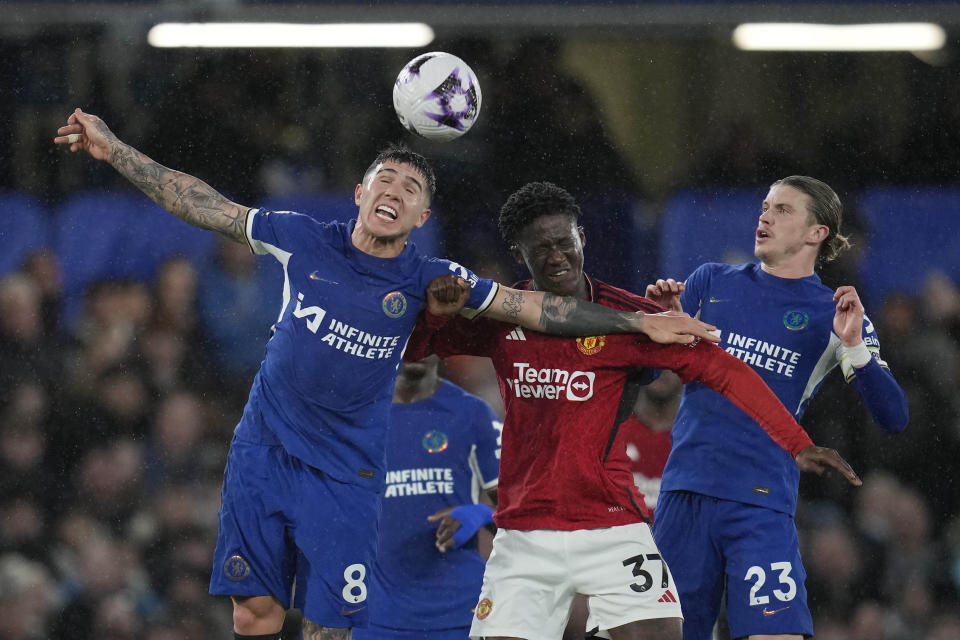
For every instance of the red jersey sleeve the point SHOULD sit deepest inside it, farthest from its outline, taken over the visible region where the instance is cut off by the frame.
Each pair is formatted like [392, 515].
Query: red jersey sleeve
[713, 367]
[450, 336]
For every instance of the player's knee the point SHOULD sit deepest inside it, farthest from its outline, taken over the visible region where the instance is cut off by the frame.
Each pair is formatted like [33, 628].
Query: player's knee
[257, 615]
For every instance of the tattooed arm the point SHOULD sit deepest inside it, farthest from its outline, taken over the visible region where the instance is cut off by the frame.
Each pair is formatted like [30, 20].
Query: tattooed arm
[189, 198]
[567, 316]
[313, 631]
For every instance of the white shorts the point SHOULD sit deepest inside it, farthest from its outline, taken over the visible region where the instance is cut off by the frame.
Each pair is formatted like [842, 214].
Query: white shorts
[532, 577]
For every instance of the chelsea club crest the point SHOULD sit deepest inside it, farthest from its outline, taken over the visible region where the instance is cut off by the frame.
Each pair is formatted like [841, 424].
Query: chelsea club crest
[394, 304]
[236, 568]
[796, 320]
[435, 441]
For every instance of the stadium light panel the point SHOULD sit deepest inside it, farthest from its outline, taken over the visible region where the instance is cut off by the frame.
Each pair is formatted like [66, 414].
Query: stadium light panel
[275, 34]
[785, 36]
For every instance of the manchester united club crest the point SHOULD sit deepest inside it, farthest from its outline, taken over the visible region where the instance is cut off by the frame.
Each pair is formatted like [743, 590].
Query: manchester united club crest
[591, 345]
[484, 607]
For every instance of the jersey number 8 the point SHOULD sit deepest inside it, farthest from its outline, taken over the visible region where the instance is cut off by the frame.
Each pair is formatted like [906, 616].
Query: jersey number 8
[355, 590]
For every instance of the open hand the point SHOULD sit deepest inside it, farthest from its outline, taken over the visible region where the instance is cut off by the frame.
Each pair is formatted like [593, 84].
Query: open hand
[87, 132]
[848, 319]
[676, 326]
[666, 293]
[818, 459]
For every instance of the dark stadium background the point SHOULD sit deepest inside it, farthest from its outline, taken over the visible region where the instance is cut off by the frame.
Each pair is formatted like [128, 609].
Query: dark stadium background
[667, 134]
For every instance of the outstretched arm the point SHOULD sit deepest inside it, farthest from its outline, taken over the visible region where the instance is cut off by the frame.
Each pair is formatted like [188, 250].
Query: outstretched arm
[740, 384]
[189, 198]
[567, 316]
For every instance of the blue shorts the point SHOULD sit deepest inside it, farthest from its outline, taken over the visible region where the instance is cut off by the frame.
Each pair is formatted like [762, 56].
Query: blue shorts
[753, 552]
[376, 632]
[281, 521]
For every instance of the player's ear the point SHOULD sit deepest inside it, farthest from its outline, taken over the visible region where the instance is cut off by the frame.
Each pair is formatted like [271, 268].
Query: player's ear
[357, 192]
[516, 253]
[424, 216]
[583, 237]
[819, 233]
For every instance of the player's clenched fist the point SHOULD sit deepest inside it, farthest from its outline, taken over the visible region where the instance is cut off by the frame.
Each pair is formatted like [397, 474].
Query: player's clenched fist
[447, 294]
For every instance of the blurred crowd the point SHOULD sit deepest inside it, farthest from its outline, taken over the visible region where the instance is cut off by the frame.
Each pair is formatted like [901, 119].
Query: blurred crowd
[113, 438]
[883, 561]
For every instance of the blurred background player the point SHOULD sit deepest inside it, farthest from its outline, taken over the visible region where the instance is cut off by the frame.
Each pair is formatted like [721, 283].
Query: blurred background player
[443, 453]
[570, 518]
[724, 520]
[313, 429]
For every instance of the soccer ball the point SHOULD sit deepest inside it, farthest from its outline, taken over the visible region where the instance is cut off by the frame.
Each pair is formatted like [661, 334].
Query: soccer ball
[437, 96]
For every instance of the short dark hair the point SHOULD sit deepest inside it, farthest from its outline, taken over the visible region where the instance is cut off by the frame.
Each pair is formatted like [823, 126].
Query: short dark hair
[531, 201]
[402, 154]
[826, 209]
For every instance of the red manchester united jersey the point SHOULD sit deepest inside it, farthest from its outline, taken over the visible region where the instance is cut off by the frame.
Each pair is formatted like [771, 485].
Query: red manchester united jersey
[565, 399]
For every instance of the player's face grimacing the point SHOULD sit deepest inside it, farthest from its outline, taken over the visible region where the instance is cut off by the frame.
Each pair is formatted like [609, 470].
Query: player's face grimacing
[786, 225]
[392, 199]
[552, 248]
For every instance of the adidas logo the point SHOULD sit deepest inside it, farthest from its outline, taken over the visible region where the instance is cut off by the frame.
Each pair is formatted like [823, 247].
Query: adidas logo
[667, 597]
[516, 334]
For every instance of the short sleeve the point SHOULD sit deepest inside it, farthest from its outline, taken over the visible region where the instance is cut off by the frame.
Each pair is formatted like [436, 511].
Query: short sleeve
[694, 286]
[276, 232]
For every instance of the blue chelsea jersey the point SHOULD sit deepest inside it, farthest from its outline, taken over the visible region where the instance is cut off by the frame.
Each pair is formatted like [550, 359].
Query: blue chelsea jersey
[325, 385]
[441, 452]
[784, 329]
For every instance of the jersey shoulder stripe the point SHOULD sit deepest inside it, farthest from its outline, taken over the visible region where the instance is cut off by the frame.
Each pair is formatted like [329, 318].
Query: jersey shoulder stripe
[621, 298]
[608, 295]
[628, 304]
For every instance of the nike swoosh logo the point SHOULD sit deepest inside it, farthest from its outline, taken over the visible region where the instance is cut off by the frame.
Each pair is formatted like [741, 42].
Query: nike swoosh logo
[350, 612]
[316, 276]
[768, 612]
[712, 299]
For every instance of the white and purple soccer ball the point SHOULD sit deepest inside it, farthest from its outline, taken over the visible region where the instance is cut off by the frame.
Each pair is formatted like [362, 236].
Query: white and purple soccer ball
[437, 96]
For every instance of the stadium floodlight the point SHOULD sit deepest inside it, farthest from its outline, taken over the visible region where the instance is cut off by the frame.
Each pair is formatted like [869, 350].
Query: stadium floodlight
[798, 36]
[276, 34]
